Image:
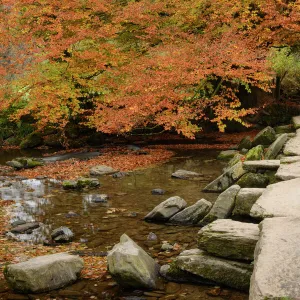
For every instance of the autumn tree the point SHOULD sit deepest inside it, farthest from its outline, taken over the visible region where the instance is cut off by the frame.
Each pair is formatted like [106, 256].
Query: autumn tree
[120, 65]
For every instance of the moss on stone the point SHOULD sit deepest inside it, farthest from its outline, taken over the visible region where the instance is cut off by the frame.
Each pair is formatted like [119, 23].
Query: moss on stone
[253, 180]
[255, 153]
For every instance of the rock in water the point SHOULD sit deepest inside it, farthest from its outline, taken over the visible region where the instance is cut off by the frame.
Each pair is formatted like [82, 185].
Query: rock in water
[230, 273]
[245, 199]
[62, 235]
[223, 206]
[131, 266]
[44, 273]
[228, 178]
[167, 209]
[276, 265]
[102, 170]
[229, 239]
[265, 137]
[184, 174]
[192, 214]
[227, 154]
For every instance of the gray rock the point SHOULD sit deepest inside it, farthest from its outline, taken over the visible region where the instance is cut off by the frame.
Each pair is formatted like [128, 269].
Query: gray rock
[227, 154]
[131, 266]
[281, 199]
[255, 153]
[62, 235]
[289, 159]
[245, 143]
[288, 171]
[192, 214]
[265, 137]
[253, 180]
[223, 206]
[237, 158]
[296, 122]
[229, 273]
[276, 146]
[87, 182]
[276, 265]
[166, 246]
[284, 129]
[25, 163]
[228, 178]
[184, 174]
[102, 170]
[158, 192]
[229, 239]
[101, 198]
[25, 228]
[292, 147]
[261, 165]
[152, 237]
[167, 209]
[245, 199]
[44, 273]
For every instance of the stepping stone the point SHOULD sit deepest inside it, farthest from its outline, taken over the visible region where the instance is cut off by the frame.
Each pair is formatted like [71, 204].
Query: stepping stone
[281, 199]
[292, 147]
[296, 122]
[277, 258]
[289, 159]
[229, 239]
[276, 147]
[288, 171]
[255, 165]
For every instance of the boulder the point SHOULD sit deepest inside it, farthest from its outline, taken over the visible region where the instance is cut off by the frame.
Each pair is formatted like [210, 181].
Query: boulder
[228, 178]
[245, 143]
[167, 209]
[62, 235]
[276, 146]
[229, 239]
[172, 273]
[225, 272]
[276, 264]
[288, 171]
[44, 273]
[253, 180]
[281, 199]
[102, 170]
[237, 158]
[31, 141]
[227, 154]
[131, 266]
[245, 199]
[192, 214]
[265, 137]
[284, 129]
[184, 174]
[256, 153]
[261, 165]
[296, 122]
[292, 147]
[25, 163]
[223, 206]
[25, 228]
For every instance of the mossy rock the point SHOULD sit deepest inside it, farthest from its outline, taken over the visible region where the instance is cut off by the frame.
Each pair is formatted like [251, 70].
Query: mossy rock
[253, 180]
[256, 153]
[13, 141]
[227, 154]
[69, 184]
[53, 140]
[238, 157]
[284, 129]
[87, 182]
[31, 141]
[245, 143]
[265, 137]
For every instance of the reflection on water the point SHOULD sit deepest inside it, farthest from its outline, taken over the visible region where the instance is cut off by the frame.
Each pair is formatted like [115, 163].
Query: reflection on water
[101, 223]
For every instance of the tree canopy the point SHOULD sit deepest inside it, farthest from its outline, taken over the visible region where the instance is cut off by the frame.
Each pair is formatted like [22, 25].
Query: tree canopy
[117, 65]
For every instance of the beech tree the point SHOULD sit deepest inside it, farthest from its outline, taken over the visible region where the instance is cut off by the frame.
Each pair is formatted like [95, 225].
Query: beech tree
[120, 65]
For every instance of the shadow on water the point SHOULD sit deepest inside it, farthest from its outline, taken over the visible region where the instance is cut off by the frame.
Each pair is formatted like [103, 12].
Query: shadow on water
[100, 225]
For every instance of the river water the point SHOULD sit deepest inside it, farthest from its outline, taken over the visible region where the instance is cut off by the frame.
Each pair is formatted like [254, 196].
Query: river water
[100, 225]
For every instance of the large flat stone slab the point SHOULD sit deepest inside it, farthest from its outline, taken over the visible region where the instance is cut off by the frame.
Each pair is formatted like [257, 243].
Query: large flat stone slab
[227, 179]
[278, 200]
[292, 147]
[288, 171]
[256, 165]
[229, 239]
[222, 271]
[277, 259]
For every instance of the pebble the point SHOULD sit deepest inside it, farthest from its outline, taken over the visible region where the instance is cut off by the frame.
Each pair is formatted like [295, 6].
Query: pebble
[152, 236]
[158, 192]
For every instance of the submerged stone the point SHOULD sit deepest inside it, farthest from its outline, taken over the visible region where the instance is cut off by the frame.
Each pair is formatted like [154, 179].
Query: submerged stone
[184, 174]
